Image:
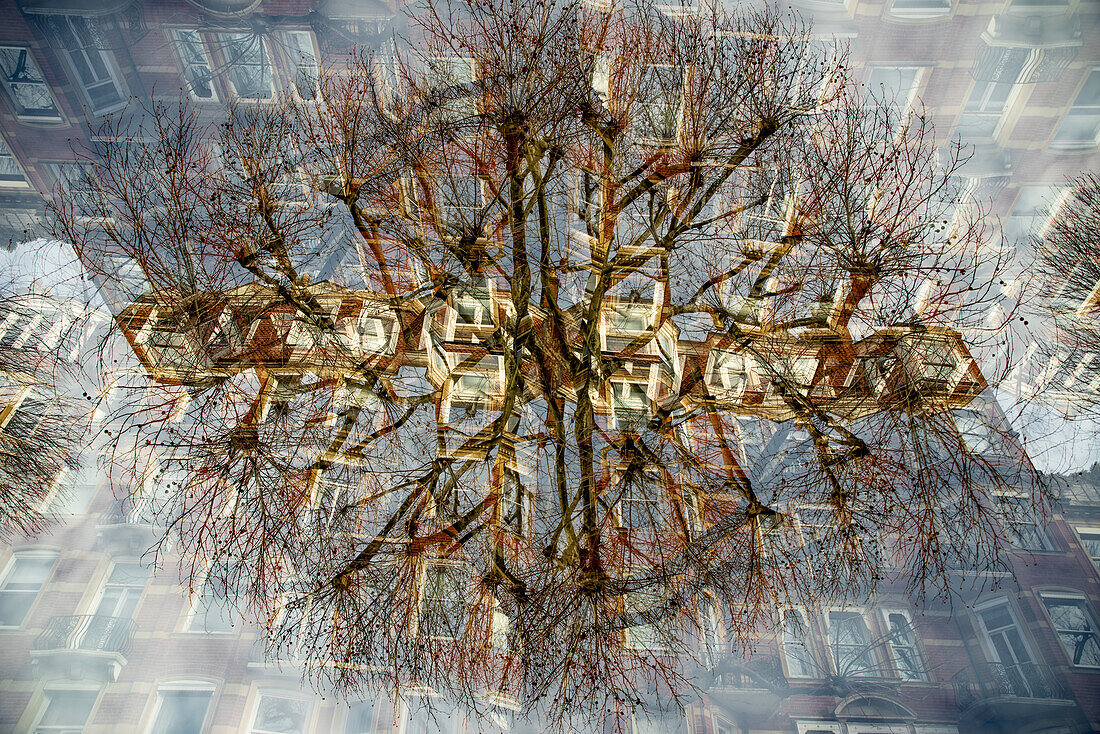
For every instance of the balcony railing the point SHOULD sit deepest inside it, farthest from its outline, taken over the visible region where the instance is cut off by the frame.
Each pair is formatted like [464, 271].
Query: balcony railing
[999, 680]
[758, 672]
[87, 632]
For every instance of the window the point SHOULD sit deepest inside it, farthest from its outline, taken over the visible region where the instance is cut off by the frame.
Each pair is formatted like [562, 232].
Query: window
[641, 501]
[646, 607]
[69, 500]
[1076, 628]
[196, 65]
[850, 642]
[67, 711]
[182, 708]
[1090, 541]
[730, 371]
[902, 641]
[214, 611]
[303, 61]
[78, 182]
[280, 715]
[373, 333]
[1006, 643]
[10, 172]
[658, 100]
[917, 9]
[1023, 525]
[630, 400]
[444, 601]
[79, 39]
[23, 423]
[27, 89]
[23, 579]
[894, 86]
[1034, 207]
[250, 69]
[122, 590]
[516, 501]
[985, 105]
[361, 718]
[796, 651]
[1081, 127]
[452, 77]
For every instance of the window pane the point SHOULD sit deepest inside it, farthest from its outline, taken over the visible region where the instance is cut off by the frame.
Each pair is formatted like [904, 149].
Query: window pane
[181, 712]
[21, 586]
[68, 709]
[276, 715]
[1076, 629]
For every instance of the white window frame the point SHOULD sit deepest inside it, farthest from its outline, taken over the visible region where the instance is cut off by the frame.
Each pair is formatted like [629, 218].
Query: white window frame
[922, 674]
[226, 41]
[806, 645]
[107, 59]
[193, 609]
[5, 577]
[1090, 617]
[30, 65]
[183, 685]
[870, 647]
[11, 182]
[296, 60]
[47, 697]
[197, 43]
[986, 639]
[462, 608]
[1082, 531]
[926, 13]
[1090, 108]
[288, 695]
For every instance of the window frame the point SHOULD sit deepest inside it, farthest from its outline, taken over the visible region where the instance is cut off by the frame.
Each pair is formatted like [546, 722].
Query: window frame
[1091, 110]
[10, 567]
[869, 648]
[185, 65]
[193, 610]
[182, 685]
[1093, 631]
[986, 639]
[47, 698]
[280, 693]
[806, 644]
[20, 111]
[1082, 531]
[225, 43]
[922, 675]
[114, 75]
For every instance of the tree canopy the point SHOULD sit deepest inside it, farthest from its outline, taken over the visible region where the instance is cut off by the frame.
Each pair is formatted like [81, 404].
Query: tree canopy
[545, 334]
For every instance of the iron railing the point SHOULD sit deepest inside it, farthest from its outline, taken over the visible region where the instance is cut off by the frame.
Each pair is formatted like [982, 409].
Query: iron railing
[92, 632]
[994, 680]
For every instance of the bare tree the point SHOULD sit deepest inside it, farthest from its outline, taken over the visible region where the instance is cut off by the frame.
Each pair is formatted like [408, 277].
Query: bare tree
[41, 423]
[544, 330]
[1069, 267]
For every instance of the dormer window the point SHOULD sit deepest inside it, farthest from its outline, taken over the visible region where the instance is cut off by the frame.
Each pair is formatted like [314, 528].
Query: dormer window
[731, 372]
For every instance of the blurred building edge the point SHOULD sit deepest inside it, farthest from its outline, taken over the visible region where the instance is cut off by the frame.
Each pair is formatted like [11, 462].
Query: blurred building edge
[91, 641]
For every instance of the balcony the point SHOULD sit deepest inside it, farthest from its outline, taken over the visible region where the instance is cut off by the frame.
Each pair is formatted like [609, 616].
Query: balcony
[89, 646]
[1013, 697]
[127, 528]
[749, 690]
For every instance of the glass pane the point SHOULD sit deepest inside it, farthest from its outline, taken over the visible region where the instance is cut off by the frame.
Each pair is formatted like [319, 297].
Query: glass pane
[360, 718]
[14, 606]
[181, 712]
[68, 708]
[281, 715]
[29, 573]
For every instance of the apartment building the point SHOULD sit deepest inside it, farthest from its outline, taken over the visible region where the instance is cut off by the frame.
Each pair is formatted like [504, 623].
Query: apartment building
[93, 638]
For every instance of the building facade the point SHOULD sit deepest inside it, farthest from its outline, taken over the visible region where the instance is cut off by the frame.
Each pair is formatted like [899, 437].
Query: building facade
[93, 639]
